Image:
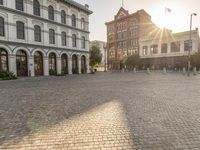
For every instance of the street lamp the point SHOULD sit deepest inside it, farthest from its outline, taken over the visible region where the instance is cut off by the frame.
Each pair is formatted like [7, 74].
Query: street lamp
[190, 43]
[105, 59]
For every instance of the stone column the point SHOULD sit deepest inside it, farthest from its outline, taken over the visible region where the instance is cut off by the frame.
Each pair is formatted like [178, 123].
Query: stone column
[69, 65]
[12, 63]
[46, 66]
[79, 64]
[58, 64]
[88, 65]
[31, 71]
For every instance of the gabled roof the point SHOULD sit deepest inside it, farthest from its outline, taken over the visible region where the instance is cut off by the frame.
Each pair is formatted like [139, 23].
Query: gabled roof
[121, 13]
[77, 5]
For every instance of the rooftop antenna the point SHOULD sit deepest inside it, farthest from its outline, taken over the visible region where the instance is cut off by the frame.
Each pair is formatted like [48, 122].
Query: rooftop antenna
[123, 3]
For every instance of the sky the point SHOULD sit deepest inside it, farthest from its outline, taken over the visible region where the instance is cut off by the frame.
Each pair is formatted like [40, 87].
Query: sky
[178, 20]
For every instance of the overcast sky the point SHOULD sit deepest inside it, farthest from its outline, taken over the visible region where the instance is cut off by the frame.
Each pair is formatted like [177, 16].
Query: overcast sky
[178, 19]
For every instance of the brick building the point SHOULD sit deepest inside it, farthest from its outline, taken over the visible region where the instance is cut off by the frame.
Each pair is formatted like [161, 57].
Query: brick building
[124, 33]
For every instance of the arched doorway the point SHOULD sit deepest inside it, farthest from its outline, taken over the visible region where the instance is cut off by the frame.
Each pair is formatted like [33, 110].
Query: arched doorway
[83, 65]
[52, 64]
[3, 60]
[74, 64]
[38, 63]
[64, 66]
[21, 63]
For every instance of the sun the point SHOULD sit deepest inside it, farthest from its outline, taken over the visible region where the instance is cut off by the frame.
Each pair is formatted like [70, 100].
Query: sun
[168, 15]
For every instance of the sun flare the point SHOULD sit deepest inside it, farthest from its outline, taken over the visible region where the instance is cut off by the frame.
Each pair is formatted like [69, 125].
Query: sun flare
[169, 19]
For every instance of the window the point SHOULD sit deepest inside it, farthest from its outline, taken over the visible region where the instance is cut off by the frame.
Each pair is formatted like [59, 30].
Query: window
[145, 50]
[175, 47]
[64, 38]
[37, 33]
[51, 36]
[3, 60]
[63, 17]
[125, 53]
[51, 12]
[21, 63]
[122, 35]
[111, 45]
[83, 42]
[154, 49]
[187, 45]
[134, 32]
[83, 23]
[2, 31]
[164, 48]
[122, 26]
[110, 29]
[122, 44]
[73, 20]
[112, 53]
[134, 42]
[36, 8]
[73, 40]
[1, 2]
[52, 63]
[20, 30]
[19, 4]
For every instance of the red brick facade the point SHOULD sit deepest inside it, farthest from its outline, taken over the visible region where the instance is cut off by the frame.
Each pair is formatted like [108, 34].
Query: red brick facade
[124, 33]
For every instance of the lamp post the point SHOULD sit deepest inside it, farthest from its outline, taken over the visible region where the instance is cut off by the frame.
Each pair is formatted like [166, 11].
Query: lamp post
[105, 57]
[190, 43]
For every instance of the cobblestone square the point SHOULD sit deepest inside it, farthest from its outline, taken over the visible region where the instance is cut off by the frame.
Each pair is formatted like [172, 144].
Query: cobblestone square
[105, 111]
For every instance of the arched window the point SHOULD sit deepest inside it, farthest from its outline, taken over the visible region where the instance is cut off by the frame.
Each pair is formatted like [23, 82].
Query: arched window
[37, 33]
[3, 60]
[73, 40]
[63, 17]
[64, 38]
[21, 63]
[1, 2]
[51, 36]
[2, 30]
[19, 4]
[51, 12]
[38, 63]
[36, 7]
[20, 30]
[83, 23]
[74, 64]
[73, 20]
[64, 63]
[83, 42]
[52, 64]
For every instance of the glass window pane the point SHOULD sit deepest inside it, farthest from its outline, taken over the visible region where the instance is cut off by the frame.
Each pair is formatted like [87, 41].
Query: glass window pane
[2, 32]
[19, 5]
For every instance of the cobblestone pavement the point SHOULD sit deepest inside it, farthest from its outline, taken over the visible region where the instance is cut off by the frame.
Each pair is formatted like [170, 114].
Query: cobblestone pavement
[105, 111]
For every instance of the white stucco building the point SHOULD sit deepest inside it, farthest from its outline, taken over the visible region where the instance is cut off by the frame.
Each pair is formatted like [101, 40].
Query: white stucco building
[166, 49]
[43, 37]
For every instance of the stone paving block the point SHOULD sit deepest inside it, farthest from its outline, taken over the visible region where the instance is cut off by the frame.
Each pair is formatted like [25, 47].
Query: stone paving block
[101, 111]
